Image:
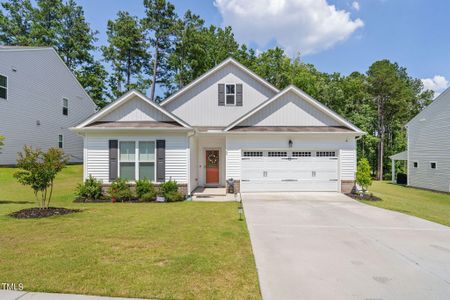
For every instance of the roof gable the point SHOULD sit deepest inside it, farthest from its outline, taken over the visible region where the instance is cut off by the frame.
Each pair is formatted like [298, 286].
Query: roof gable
[133, 106]
[292, 107]
[437, 105]
[228, 61]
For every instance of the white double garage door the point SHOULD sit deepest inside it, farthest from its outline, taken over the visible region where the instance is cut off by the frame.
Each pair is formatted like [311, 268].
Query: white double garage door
[289, 171]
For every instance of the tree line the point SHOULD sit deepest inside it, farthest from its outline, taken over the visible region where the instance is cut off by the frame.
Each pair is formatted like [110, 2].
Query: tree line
[169, 51]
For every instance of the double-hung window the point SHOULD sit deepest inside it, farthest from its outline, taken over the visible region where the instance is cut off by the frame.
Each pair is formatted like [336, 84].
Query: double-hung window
[3, 87]
[147, 160]
[65, 109]
[60, 141]
[127, 158]
[230, 94]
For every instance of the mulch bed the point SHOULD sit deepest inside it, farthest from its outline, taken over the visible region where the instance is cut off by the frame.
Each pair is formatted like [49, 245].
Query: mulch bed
[368, 197]
[36, 212]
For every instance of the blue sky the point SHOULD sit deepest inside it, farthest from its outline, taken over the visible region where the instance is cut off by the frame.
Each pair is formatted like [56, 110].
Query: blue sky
[344, 38]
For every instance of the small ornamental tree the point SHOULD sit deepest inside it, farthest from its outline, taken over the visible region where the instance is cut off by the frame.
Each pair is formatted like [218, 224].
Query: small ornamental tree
[363, 177]
[39, 170]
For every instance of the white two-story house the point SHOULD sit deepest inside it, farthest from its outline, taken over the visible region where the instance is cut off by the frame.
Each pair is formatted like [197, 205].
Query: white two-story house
[39, 100]
[228, 123]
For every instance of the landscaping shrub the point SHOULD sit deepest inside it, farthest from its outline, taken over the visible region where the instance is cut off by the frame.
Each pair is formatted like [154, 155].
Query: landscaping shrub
[149, 196]
[168, 187]
[363, 177]
[120, 190]
[174, 196]
[144, 186]
[90, 189]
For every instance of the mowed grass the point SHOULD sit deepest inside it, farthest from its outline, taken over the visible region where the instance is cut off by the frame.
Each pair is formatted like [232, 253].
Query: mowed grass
[432, 206]
[172, 250]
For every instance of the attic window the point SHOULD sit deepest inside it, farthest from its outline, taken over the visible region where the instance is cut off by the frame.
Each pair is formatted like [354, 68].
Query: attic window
[3, 87]
[230, 94]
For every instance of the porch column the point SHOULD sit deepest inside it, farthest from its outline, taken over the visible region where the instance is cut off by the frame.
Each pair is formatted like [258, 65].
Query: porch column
[393, 170]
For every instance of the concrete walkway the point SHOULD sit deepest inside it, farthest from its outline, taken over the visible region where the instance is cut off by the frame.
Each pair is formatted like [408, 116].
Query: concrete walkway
[16, 295]
[328, 246]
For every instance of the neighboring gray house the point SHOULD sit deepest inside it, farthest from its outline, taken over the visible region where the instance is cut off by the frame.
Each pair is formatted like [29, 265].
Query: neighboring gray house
[228, 123]
[428, 153]
[39, 100]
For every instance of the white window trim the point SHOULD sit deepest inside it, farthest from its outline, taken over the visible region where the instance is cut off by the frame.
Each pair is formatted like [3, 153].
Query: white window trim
[62, 141]
[435, 162]
[226, 94]
[136, 157]
[5, 87]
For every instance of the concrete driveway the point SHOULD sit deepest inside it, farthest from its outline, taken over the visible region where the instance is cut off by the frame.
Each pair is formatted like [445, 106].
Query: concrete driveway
[328, 246]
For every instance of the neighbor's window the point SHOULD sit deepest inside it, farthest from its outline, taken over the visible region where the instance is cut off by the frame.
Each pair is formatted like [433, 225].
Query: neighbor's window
[416, 164]
[230, 94]
[3, 87]
[65, 109]
[127, 160]
[147, 160]
[433, 165]
[60, 141]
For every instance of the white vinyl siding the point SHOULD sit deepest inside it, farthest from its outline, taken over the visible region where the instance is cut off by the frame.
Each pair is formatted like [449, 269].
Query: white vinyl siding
[136, 110]
[176, 161]
[289, 110]
[347, 164]
[198, 105]
[37, 82]
[428, 141]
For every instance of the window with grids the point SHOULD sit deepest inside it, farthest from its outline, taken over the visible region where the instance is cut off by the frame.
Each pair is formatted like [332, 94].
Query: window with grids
[325, 153]
[230, 94]
[253, 154]
[301, 153]
[65, 109]
[277, 153]
[3, 87]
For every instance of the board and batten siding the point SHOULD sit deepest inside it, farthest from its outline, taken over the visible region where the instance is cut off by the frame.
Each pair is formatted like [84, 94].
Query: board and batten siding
[344, 146]
[97, 154]
[32, 115]
[136, 110]
[429, 141]
[289, 110]
[199, 106]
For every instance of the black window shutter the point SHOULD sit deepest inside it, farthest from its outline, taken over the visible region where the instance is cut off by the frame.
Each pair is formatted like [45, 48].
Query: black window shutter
[239, 100]
[221, 94]
[160, 160]
[113, 155]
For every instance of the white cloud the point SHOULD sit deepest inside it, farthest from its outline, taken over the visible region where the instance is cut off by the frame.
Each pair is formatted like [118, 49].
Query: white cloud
[307, 26]
[437, 84]
[355, 5]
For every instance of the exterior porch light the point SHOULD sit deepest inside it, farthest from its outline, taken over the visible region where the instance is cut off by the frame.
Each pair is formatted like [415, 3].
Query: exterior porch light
[290, 143]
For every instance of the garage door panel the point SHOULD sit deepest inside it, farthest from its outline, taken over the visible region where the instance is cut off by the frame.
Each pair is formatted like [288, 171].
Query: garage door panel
[289, 174]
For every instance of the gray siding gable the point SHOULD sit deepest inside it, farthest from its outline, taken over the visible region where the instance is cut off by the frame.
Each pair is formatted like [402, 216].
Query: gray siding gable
[37, 81]
[198, 106]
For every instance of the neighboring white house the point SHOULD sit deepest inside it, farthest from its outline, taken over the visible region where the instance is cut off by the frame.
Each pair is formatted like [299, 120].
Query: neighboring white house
[228, 123]
[428, 153]
[39, 100]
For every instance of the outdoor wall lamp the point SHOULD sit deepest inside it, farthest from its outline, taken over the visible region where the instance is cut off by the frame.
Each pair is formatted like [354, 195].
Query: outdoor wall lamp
[290, 143]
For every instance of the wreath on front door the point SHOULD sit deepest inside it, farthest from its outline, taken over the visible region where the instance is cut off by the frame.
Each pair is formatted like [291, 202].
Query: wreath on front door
[212, 159]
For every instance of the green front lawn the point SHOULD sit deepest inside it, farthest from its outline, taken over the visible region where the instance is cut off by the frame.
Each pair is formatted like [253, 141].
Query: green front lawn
[148, 250]
[424, 204]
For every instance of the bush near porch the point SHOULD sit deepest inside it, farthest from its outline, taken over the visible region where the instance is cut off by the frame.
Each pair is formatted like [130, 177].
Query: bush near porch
[148, 250]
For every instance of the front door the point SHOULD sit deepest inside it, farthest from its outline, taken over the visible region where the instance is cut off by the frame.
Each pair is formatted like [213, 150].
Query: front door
[212, 166]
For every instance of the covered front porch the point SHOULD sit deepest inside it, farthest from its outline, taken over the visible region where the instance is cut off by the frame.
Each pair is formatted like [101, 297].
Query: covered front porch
[208, 163]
